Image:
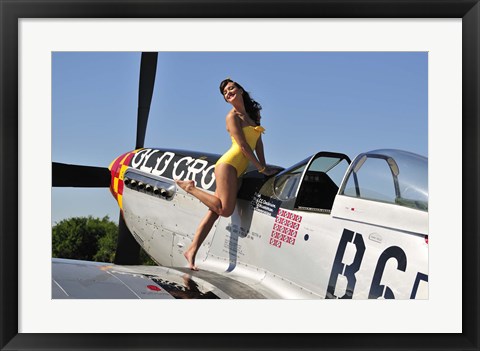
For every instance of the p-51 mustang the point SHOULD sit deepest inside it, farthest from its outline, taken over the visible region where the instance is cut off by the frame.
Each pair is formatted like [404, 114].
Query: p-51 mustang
[323, 228]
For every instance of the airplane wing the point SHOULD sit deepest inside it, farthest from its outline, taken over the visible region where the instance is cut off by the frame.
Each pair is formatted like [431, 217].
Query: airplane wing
[74, 279]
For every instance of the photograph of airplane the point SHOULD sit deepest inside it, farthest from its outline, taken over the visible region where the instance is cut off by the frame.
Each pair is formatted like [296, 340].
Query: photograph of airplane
[341, 223]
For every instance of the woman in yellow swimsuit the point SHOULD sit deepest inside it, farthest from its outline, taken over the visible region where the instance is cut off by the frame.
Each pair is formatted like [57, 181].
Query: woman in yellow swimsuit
[243, 124]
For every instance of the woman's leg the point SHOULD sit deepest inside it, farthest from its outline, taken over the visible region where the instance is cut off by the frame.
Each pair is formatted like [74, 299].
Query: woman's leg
[202, 231]
[224, 200]
[222, 203]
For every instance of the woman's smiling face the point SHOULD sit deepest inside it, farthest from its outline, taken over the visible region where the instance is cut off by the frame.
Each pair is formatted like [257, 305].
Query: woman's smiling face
[231, 92]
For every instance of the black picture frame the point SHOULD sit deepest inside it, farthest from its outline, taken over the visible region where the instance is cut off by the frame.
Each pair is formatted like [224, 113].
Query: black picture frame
[11, 11]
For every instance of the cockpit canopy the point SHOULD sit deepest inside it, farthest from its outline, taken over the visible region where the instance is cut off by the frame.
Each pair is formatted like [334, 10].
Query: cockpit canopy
[391, 176]
[311, 184]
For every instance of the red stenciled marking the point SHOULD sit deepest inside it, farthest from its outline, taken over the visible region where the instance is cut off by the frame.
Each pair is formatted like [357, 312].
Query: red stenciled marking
[153, 287]
[352, 209]
[285, 228]
[276, 243]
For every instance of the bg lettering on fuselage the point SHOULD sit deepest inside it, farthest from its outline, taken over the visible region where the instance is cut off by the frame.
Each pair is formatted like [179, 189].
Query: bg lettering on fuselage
[176, 166]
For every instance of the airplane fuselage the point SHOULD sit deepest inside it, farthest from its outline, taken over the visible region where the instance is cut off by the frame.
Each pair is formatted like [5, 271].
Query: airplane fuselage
[284, 239]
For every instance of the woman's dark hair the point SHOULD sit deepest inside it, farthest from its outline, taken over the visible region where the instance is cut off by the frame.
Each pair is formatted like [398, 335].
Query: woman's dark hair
[251, 106]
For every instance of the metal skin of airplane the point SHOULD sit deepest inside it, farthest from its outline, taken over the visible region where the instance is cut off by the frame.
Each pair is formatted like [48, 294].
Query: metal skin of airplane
[324, 228]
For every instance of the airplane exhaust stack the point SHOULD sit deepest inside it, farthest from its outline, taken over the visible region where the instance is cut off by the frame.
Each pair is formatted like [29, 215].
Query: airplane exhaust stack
[170, 191]
[152, 186]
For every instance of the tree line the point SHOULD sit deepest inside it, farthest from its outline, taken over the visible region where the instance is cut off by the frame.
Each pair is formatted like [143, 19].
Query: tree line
[89, 239]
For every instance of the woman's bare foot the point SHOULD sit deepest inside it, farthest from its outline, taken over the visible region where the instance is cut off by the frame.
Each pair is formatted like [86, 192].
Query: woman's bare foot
[186, 185]
[190, 256]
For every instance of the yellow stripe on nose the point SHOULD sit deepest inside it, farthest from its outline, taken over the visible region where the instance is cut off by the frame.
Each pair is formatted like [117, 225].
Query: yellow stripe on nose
[123, 160]
[123, 169]
[115, 185]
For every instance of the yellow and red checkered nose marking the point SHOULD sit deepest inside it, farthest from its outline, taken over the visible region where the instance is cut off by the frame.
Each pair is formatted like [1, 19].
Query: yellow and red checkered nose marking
[117, 170]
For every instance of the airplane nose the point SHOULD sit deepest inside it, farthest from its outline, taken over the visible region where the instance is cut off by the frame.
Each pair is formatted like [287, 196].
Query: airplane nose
[115, 176]
[117, 170]
[114, 165]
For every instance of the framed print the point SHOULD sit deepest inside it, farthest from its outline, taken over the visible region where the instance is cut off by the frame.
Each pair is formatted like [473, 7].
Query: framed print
[446, 32]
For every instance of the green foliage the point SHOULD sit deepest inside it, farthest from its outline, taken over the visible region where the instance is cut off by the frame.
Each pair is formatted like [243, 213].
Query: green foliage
[107, 244]
[145, 259]
[88, 238]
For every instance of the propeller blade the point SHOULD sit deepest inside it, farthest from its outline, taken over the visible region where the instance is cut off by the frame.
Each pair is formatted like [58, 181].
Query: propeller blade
[148, 69]
[128, 250]
[66, 175]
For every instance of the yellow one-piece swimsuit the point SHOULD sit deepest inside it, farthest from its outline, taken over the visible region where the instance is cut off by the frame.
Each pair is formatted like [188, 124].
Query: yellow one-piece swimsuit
[234, 156]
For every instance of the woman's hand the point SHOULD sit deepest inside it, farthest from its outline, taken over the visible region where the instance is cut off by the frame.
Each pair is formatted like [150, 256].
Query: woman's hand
[268, 171]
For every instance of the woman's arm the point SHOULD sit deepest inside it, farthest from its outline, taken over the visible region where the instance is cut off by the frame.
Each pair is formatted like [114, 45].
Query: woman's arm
[260, 152]
[261, 157]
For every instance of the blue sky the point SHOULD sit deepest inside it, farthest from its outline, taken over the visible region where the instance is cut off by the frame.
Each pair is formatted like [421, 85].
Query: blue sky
[348, 102]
